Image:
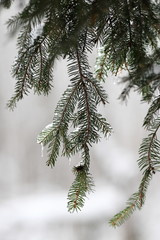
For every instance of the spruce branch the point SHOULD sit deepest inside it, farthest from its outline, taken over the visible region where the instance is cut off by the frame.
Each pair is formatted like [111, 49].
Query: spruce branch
[149, 162]
[152, 112]
[82, 185]
[58, 129]
[136, 201]
[149, 151]
[78, 107]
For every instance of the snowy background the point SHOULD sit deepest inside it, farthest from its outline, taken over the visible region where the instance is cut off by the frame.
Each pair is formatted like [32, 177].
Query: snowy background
[33, 197]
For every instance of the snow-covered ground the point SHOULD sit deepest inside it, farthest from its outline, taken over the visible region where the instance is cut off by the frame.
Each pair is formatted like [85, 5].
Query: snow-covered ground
[41, 216]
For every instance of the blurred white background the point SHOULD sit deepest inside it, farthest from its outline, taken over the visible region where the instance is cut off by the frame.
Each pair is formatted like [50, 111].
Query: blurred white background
[33, 197]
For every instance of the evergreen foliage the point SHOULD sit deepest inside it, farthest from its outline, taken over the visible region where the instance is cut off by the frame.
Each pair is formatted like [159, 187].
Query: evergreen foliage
[82, 184]
[128, 32]
[149, 162]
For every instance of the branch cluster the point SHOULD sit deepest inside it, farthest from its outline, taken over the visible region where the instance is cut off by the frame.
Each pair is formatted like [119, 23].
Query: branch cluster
[128, 32]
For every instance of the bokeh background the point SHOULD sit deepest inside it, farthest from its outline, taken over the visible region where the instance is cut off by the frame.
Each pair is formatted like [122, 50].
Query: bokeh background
[33, 197]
